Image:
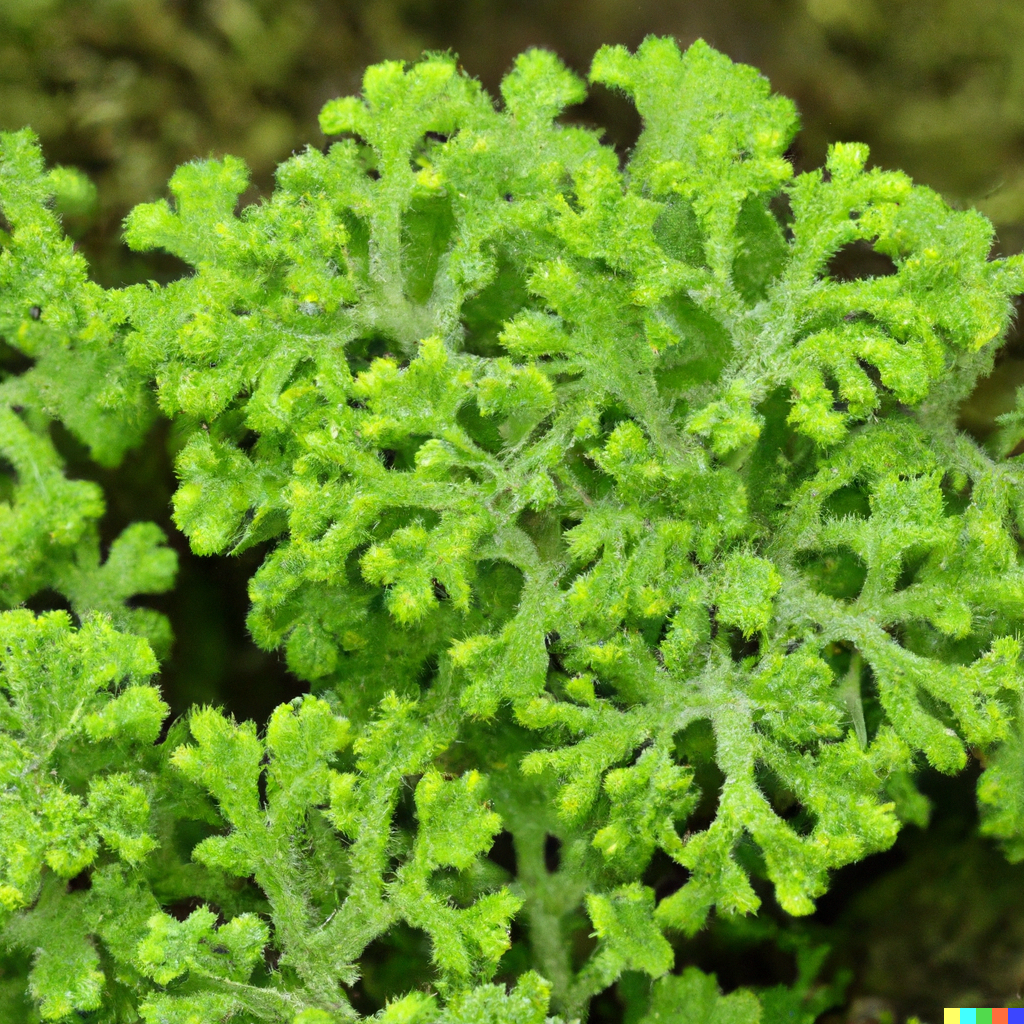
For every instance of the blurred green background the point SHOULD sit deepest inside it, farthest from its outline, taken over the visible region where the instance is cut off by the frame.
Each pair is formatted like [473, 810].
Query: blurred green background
[128, 89]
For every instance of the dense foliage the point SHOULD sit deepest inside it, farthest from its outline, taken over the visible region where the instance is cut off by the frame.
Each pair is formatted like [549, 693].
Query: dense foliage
[128, 89]
[599, 510]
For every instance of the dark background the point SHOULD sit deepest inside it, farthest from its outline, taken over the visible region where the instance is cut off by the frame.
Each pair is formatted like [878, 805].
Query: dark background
[128, 89]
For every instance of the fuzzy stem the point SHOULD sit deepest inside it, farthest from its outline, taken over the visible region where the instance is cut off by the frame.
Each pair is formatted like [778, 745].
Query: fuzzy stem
[854, 702]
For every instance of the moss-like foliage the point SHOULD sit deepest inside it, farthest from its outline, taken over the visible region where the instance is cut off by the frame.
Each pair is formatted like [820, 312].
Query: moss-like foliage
[583, 485]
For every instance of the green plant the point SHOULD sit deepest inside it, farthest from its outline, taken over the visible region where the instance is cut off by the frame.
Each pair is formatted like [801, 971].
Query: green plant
[596, 505]
[128, 89]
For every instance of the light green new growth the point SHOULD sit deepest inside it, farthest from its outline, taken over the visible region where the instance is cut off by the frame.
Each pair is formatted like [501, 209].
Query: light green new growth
[71, 330]
[581, 482]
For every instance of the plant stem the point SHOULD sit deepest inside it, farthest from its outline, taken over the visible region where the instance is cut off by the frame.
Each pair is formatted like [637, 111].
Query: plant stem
[854, 702]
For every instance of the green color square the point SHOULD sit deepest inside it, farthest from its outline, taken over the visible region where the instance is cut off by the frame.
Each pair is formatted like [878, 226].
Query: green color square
[984, 1015]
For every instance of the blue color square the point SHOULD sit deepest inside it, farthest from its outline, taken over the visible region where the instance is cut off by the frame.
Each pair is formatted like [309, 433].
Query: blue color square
[1015, 1015]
